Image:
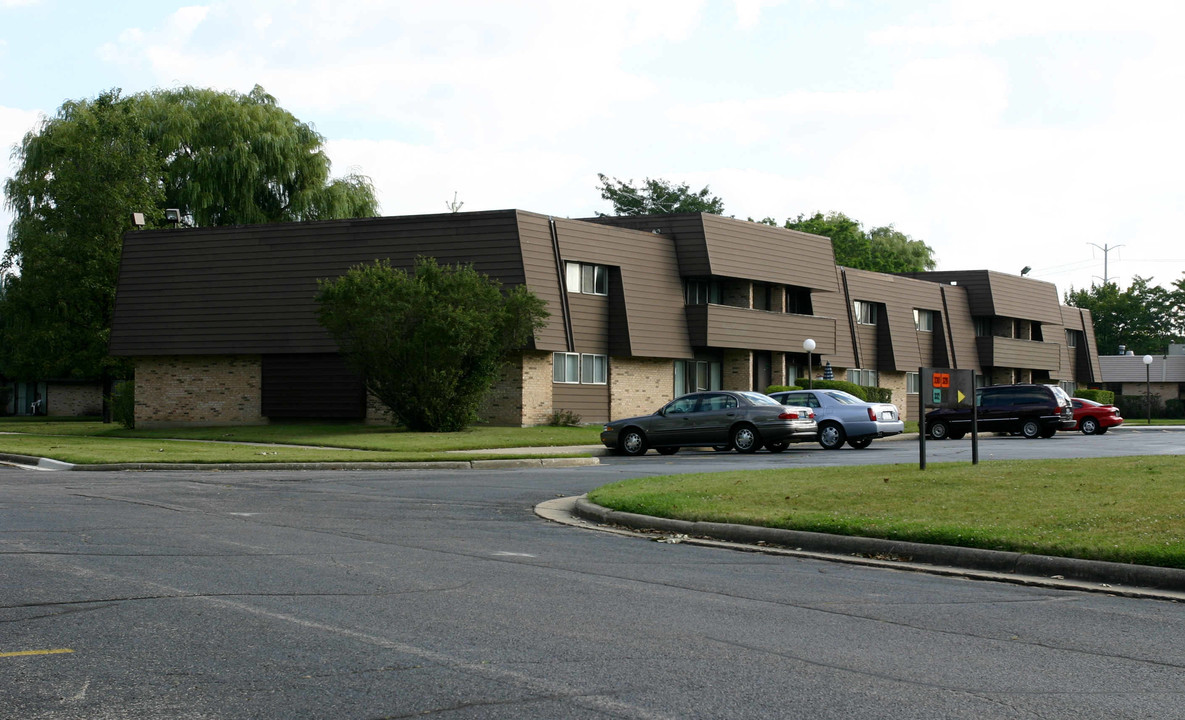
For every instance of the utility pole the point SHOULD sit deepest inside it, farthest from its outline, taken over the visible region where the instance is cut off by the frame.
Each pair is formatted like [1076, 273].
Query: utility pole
[1106, 250]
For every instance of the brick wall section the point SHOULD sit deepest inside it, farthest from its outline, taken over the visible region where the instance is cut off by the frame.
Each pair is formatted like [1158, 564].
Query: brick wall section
[895, 381]
[377, 413]
[738, 370]
[537, 398]
[778, 372]
[503, 404]
[737, 293]
[639, 386]
[198, 390]
[73, 400]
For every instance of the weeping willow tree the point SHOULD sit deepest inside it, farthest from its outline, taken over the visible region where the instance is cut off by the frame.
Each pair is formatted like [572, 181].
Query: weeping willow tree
[221, 158]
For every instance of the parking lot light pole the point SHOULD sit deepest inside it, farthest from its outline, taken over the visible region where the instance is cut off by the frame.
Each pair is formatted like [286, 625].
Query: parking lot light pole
[809, 346]
[1148, 387]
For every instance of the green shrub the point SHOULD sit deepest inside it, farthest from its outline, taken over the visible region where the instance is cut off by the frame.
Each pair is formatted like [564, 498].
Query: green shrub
[781, 388]
[123, 404]
[1106, 397]
[1135, 406]
[1174, 408]
[564, 418]
[848, 387]
[878, 394]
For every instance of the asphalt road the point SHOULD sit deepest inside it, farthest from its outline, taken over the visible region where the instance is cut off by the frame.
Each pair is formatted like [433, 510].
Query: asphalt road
[440, 594]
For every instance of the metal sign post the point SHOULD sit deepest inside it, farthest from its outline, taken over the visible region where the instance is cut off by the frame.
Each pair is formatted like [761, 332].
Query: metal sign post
[946, 388]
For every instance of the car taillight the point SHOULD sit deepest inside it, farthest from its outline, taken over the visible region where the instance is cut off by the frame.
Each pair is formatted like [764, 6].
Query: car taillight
[811, 414]
[788, 416]
[872, 414]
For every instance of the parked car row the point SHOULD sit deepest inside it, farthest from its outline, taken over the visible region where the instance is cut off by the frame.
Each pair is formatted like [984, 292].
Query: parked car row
[1029, 410]
[748, 421]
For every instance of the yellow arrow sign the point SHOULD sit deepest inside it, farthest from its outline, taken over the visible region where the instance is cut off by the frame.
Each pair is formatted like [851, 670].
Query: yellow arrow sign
[961, 395]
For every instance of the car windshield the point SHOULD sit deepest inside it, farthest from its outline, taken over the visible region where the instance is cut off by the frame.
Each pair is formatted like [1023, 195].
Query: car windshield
[1061, 394]
[1087, 403]
[758, 398]
[842, 397]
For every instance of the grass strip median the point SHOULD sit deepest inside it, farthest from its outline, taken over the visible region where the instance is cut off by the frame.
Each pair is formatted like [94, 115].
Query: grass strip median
[1128, 510]
[93, 443]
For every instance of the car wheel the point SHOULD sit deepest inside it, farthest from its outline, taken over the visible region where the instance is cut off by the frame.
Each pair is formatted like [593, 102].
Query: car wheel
[1089, 426]
[860, 443]
[777, 447]
[745, 439]
[938, 430]
[667, 450]
[632, 442]
[1031, 429]
[831, 436]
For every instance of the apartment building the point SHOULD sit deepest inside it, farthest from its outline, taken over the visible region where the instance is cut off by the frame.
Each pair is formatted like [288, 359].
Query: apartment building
[221, 322]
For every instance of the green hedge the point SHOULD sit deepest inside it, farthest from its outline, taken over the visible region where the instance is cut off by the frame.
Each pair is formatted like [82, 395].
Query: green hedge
[1105, 397]
[865, 393]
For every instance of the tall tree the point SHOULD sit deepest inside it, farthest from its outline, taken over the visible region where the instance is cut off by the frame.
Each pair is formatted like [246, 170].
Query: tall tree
[220, 158]
[881, 249]
[81, 174]
[657, 197]
[430, 343]
[1144, 318]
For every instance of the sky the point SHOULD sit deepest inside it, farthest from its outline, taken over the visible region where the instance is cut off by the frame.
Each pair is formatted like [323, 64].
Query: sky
[1007, 134]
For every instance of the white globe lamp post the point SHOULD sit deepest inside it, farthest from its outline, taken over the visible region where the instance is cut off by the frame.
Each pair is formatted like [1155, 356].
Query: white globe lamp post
[809, 346]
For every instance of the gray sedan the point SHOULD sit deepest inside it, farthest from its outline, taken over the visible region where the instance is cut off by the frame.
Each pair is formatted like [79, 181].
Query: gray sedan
[843, 416]
[744, 421]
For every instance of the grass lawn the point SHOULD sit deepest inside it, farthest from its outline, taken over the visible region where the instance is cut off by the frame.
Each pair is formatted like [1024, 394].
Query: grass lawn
[89, 442]
[1118, 509]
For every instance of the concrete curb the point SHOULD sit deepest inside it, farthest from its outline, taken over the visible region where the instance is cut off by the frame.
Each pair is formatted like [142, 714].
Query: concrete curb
[28, 461]
[1005, 565]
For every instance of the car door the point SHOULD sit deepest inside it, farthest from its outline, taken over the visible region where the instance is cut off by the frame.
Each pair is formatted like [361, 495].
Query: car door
[674, 424]
[996, 412]
[713, 419]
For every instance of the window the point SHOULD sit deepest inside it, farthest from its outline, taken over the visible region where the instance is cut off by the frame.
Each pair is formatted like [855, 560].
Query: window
[864, 312]
[701, 292]
[694, 375]
[862, 377]
[573, 368]
[565, 368]
[913, 383]
[798, 301]
[594, 369]
[1072, 338]
[587, 278]
[923, 320]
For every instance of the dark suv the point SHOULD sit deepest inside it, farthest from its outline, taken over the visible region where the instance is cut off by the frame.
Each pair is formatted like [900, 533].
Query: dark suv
[1031, 410]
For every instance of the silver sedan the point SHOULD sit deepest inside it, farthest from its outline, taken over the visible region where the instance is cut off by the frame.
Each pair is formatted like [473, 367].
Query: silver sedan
[845, 417]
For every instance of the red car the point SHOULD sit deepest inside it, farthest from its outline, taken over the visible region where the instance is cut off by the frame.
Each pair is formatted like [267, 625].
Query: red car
[1094, 418]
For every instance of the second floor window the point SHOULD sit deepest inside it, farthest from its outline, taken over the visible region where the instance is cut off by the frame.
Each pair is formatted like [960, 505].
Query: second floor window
[864, 312]
[983, 327]
[1072, 337]
[923, 320]
[587, 278]
[701, 292]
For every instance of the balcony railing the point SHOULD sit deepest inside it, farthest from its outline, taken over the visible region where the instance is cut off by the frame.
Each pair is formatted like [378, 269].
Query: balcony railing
[1017, 353]
[724, 326]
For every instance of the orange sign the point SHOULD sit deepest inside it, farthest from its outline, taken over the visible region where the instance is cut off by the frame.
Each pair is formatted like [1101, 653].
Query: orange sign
[941, 380]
